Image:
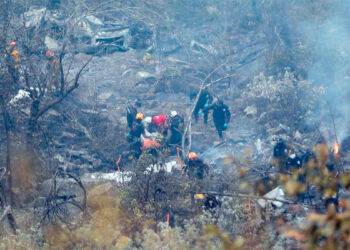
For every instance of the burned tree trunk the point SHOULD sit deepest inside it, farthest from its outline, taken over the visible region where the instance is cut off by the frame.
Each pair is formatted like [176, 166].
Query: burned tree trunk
[6, 194]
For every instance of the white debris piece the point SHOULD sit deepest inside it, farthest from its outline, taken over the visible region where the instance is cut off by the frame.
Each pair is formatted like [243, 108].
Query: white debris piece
[251, 110]
[51, 43]
[197, 47]
[33, 17]
[20, 95]
[144, 74]
[276, 193]
[297, 135]
[116, 176]
[94, 20]
[123, 177]
[258, 146]
[168, 167]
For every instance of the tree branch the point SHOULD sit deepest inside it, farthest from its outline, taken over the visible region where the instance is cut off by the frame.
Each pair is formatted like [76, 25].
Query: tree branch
[62, 97]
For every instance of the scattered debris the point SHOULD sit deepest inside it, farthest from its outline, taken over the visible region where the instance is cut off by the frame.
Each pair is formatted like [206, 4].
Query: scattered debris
[20, 95]
[276, 193]
[251, 110]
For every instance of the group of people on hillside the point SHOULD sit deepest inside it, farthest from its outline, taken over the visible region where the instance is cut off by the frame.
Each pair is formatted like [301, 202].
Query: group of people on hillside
[145, 132]
[205, 103]
[171, 126]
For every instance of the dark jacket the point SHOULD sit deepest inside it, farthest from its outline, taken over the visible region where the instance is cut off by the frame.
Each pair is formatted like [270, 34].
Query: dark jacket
[204, 100]
[177, 122]
[176, 127]
[196, 168]
[211, 202]
[137, 129]
[131, 113]
[221, 115]
[280, 149]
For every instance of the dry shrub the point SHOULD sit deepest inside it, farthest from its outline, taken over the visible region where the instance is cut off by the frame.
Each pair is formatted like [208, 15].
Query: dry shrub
[30, 238]
[329, 230]
[284, 99]
[107, 226]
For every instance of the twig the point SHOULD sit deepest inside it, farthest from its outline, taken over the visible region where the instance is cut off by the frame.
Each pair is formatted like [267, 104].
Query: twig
[5, 213]
[332, 116]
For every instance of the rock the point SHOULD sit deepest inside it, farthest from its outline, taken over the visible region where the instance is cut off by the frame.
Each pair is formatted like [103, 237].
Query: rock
[51, 44]
[297, 135]
[97, 163]
[105, 96]
[123, 121]
[22, 94]
[199, 47]
[143, 74]
[53, 112]
[33, 17]
[94, 20]
[251, 110]
[60, 158]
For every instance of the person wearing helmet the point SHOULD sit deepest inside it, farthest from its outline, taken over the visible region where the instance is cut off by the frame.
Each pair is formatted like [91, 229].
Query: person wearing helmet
[134, 136]
[176, 127]
[12, 60]
[204, 100]
[195, 167]
[11, 50]
[131, 112]
[54, 70]
[211, 202]
[137, 128]
[280, 155]
[149, 130]
[160, 123]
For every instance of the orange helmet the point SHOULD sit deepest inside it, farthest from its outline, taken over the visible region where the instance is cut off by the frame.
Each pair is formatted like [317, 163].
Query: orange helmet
[12, 43]
[192, 156]
[49, 54]
[139, 116]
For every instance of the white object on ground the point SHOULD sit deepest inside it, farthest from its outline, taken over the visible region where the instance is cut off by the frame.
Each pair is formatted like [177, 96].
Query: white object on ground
[20, 95]
[251, 110]
[51, 43]
[115, 176]
[276, 193]
[258, 146]
[123, 177]
[168, 167]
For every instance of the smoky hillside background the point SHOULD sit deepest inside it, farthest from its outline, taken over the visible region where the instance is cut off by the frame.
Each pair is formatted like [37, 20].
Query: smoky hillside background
[282, 67]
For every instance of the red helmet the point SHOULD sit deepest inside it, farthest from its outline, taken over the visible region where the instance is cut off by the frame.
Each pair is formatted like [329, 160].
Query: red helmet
[50, 54]
[159, 120]
[156, 120]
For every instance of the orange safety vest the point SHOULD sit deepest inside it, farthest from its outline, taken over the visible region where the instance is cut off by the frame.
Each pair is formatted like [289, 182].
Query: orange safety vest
[149, 143]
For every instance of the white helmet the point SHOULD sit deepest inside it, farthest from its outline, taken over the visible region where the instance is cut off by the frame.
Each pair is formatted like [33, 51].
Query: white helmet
[173, 114]
[147, 119]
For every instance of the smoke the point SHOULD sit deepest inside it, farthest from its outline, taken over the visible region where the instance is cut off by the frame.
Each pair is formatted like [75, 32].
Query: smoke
[329, 41]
